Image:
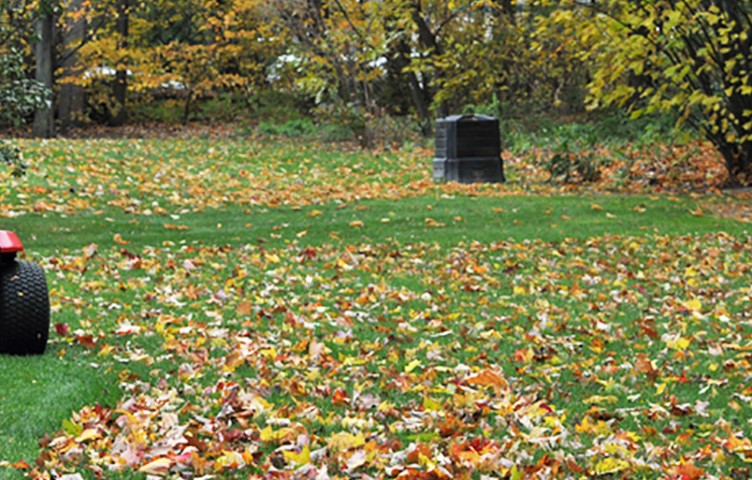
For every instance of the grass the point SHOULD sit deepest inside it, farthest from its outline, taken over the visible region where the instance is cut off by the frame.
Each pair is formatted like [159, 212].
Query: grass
[38, 393]
[424, 219]
[301, 275]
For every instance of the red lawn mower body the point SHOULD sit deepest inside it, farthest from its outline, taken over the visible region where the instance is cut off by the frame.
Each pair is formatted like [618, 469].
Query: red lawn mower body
[9, 242]
[24, 301]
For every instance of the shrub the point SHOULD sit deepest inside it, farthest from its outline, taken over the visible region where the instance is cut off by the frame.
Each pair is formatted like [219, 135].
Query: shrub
[19, 96]
[11, 155]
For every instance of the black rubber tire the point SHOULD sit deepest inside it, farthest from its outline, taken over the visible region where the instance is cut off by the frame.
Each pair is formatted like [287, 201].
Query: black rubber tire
[24, 309]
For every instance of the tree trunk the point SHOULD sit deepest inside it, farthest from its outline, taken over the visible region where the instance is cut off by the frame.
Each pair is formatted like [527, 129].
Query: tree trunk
[44, 118]
[420, 95]
[72, 101]
[120, 87]
[738, 158]
[508, 10]
[428, 41]
[187, 107]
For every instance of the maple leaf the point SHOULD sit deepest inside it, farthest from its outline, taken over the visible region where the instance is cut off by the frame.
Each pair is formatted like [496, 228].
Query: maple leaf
[244, 308]
[687, 471]
[61, 328]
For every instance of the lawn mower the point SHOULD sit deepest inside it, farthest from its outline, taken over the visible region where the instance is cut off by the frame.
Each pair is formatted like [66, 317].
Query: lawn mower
[24, 301]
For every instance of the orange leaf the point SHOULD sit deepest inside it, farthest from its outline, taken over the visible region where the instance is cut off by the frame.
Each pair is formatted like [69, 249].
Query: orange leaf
[171, 226]
[645, 365]
[687, 471]
[487, 378]
[244, 308]
[524, 355]
[119, 239]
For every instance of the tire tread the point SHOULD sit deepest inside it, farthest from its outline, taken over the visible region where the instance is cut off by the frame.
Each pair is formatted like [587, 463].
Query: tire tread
[24, 309]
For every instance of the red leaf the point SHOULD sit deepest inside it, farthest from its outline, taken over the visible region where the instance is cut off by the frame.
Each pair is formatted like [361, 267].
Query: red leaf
[61, 328]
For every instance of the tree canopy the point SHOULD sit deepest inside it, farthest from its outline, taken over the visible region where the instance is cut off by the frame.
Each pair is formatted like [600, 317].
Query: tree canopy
[689, 57]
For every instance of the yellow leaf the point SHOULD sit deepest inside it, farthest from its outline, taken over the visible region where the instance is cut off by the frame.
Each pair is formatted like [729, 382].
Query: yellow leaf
[599, 399]
[611, 465]
[357, 224]
[680, 343]
[412, 366]
[516, 474]
[269, 435]
[269, 353]
[248, 457]
[106, 350]
[229, 460]
[385, 406]
[345, 441]
[584, 426]
[298, 459]
[431, 405]
[694, 305]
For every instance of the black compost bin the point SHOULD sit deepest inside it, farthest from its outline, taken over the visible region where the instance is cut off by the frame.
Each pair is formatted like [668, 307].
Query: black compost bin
[468, 149]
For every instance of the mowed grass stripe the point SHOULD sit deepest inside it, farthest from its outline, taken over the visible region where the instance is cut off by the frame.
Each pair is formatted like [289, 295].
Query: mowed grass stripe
[444, 221]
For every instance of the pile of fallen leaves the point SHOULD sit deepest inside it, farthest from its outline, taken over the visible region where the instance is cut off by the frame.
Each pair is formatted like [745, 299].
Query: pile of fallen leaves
[654, 168]
[180, 175]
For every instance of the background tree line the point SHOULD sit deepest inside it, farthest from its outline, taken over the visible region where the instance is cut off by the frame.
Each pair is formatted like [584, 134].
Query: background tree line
[362, 62]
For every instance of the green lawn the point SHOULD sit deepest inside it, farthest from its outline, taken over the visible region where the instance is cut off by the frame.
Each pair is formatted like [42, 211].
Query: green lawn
[238, 307]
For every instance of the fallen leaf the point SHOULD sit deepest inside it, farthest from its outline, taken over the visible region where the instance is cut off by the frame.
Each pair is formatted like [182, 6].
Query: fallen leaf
[160, 467]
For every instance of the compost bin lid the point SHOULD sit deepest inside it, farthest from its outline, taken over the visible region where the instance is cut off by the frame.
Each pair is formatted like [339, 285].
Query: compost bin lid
[469, 118]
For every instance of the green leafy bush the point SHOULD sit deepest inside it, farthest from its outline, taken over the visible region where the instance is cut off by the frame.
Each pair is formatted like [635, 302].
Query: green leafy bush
[290, 128]
[11, 155]
[19, 96]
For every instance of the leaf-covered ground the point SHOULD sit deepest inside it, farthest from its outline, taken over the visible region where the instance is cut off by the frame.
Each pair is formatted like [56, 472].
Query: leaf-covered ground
[356, 354]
